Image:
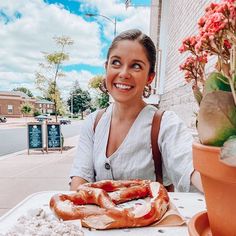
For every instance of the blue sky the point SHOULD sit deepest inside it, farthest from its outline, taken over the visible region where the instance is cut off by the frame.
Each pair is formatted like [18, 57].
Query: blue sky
[27, 28]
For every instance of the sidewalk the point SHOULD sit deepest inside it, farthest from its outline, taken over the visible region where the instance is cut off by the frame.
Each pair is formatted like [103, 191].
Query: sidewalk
[22, 174]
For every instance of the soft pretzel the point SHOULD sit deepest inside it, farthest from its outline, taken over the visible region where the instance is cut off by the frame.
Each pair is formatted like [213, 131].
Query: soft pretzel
[103, 204]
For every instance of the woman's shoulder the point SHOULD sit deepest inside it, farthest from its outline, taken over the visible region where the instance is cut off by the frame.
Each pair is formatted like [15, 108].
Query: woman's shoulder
[99, 112]
[166, 113]
[171, 117]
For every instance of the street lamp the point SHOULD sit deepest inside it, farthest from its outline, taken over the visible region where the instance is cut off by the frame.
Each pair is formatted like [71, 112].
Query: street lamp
[107, 18]
[72, 105]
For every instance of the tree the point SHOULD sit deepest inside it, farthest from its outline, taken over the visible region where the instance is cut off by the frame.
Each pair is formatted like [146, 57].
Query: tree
[26, 108]
[24, 90]
[102, 98]
[79, 99]
[47, 81]
[54, 94]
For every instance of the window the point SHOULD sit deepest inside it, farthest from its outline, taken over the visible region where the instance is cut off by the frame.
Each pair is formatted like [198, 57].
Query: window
[10, 109]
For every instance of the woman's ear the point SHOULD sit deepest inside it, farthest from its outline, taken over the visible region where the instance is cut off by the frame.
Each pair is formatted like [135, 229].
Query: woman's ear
[105, 65]
[151, 76]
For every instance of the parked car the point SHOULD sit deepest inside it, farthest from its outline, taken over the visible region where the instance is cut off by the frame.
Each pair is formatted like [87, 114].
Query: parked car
[65, 121]
[41, 118]
[3, 119]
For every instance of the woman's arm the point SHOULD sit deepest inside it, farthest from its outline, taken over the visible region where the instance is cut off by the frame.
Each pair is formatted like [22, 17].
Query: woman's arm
[76, 181]
[196, 180]
[83, 169]
[175, 142]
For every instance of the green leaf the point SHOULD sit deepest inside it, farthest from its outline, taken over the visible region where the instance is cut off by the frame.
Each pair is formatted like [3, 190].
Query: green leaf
[215, 82]
[216, 118]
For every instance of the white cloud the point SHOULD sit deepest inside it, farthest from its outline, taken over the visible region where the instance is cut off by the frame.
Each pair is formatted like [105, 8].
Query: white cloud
[66, 84]
[126, 19]
[28, 28]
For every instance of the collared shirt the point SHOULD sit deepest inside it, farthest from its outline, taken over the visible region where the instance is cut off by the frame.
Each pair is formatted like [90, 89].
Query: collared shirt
[133, 159]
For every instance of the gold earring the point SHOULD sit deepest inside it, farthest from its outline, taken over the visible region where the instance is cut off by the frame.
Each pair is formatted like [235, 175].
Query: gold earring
[103, 86]
[147, 91]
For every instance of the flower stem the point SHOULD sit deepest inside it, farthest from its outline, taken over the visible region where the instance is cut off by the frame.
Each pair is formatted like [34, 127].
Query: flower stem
[233, 71]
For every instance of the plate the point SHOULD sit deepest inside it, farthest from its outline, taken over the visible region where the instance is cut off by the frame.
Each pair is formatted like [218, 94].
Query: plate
[199, 225]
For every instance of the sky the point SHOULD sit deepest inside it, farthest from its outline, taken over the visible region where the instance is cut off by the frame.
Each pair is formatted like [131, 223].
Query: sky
[27, 29]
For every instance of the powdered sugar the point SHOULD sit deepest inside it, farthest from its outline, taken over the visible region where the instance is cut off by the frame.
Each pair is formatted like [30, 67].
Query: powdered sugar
[39, 223]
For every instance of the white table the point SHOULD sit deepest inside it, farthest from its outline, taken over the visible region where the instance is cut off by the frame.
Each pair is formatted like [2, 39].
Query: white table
[188, 205]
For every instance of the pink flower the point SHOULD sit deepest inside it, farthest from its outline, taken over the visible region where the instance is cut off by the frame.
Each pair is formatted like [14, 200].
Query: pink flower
[182, 48]
[188, 44]
[202, 59]
[201, 22]
[212, 7]
[215, 23]
[229, 1]
[217, 33]
[227, 44]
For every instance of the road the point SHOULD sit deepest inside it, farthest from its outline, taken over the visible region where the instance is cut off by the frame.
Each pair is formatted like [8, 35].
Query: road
[15, 139]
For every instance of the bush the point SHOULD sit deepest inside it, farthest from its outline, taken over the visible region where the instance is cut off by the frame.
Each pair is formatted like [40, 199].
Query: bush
[37, 113]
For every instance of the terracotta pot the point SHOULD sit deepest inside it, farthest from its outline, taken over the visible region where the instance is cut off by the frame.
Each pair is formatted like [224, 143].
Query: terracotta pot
[219, 184]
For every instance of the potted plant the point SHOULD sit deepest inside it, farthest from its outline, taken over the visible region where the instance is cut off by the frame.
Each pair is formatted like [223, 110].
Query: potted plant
[215, 92]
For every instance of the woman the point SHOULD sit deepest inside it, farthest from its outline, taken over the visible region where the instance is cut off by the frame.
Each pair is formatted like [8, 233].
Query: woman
[121, 146]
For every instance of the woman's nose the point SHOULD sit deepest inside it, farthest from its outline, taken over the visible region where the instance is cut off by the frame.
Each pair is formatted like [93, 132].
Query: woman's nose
[124, 72]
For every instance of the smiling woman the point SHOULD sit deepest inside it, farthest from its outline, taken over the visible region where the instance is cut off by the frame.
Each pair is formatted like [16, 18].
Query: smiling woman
[120, 146]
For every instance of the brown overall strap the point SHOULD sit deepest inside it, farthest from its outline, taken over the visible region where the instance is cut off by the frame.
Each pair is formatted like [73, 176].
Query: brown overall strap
[156, 122]
[98, 117]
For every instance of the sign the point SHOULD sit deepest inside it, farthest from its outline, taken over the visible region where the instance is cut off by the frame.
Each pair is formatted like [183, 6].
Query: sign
[54, 139]
[35, 136]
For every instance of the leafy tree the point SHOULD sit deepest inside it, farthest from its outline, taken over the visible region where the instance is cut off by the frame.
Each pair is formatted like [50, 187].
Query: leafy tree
[102, 99]
[47, 81]
[54, 94]
[80, 100]
[95, 82]
[24, 90]
[26, 108]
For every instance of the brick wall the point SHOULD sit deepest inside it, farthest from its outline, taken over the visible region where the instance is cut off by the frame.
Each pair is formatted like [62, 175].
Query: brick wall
[15, 102]
[181, 22]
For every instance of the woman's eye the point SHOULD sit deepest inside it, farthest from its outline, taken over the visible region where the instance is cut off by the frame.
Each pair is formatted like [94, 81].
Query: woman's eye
[136, 66]
[115, 62]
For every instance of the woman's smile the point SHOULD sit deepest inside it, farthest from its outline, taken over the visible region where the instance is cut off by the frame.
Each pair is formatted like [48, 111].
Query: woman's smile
[122, 86]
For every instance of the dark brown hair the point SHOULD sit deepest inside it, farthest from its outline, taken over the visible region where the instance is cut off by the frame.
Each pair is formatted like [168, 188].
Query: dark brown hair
[143, 39]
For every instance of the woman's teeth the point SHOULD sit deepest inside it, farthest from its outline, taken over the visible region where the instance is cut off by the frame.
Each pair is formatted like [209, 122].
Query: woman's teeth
[122, 86]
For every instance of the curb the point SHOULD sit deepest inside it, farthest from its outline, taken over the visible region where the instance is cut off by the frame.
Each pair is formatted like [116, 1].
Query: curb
[14, 154]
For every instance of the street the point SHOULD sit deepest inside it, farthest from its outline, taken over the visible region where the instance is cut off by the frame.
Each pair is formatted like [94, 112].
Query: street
[15, 139]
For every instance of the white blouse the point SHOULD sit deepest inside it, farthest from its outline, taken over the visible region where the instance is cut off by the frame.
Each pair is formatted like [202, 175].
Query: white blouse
[133, 159]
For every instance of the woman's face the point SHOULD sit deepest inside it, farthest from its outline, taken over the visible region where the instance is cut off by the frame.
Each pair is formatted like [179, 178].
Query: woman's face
[127, 71]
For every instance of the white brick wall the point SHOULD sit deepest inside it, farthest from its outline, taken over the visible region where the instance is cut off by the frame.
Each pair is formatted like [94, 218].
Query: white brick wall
[181, 22]
[183, 17]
